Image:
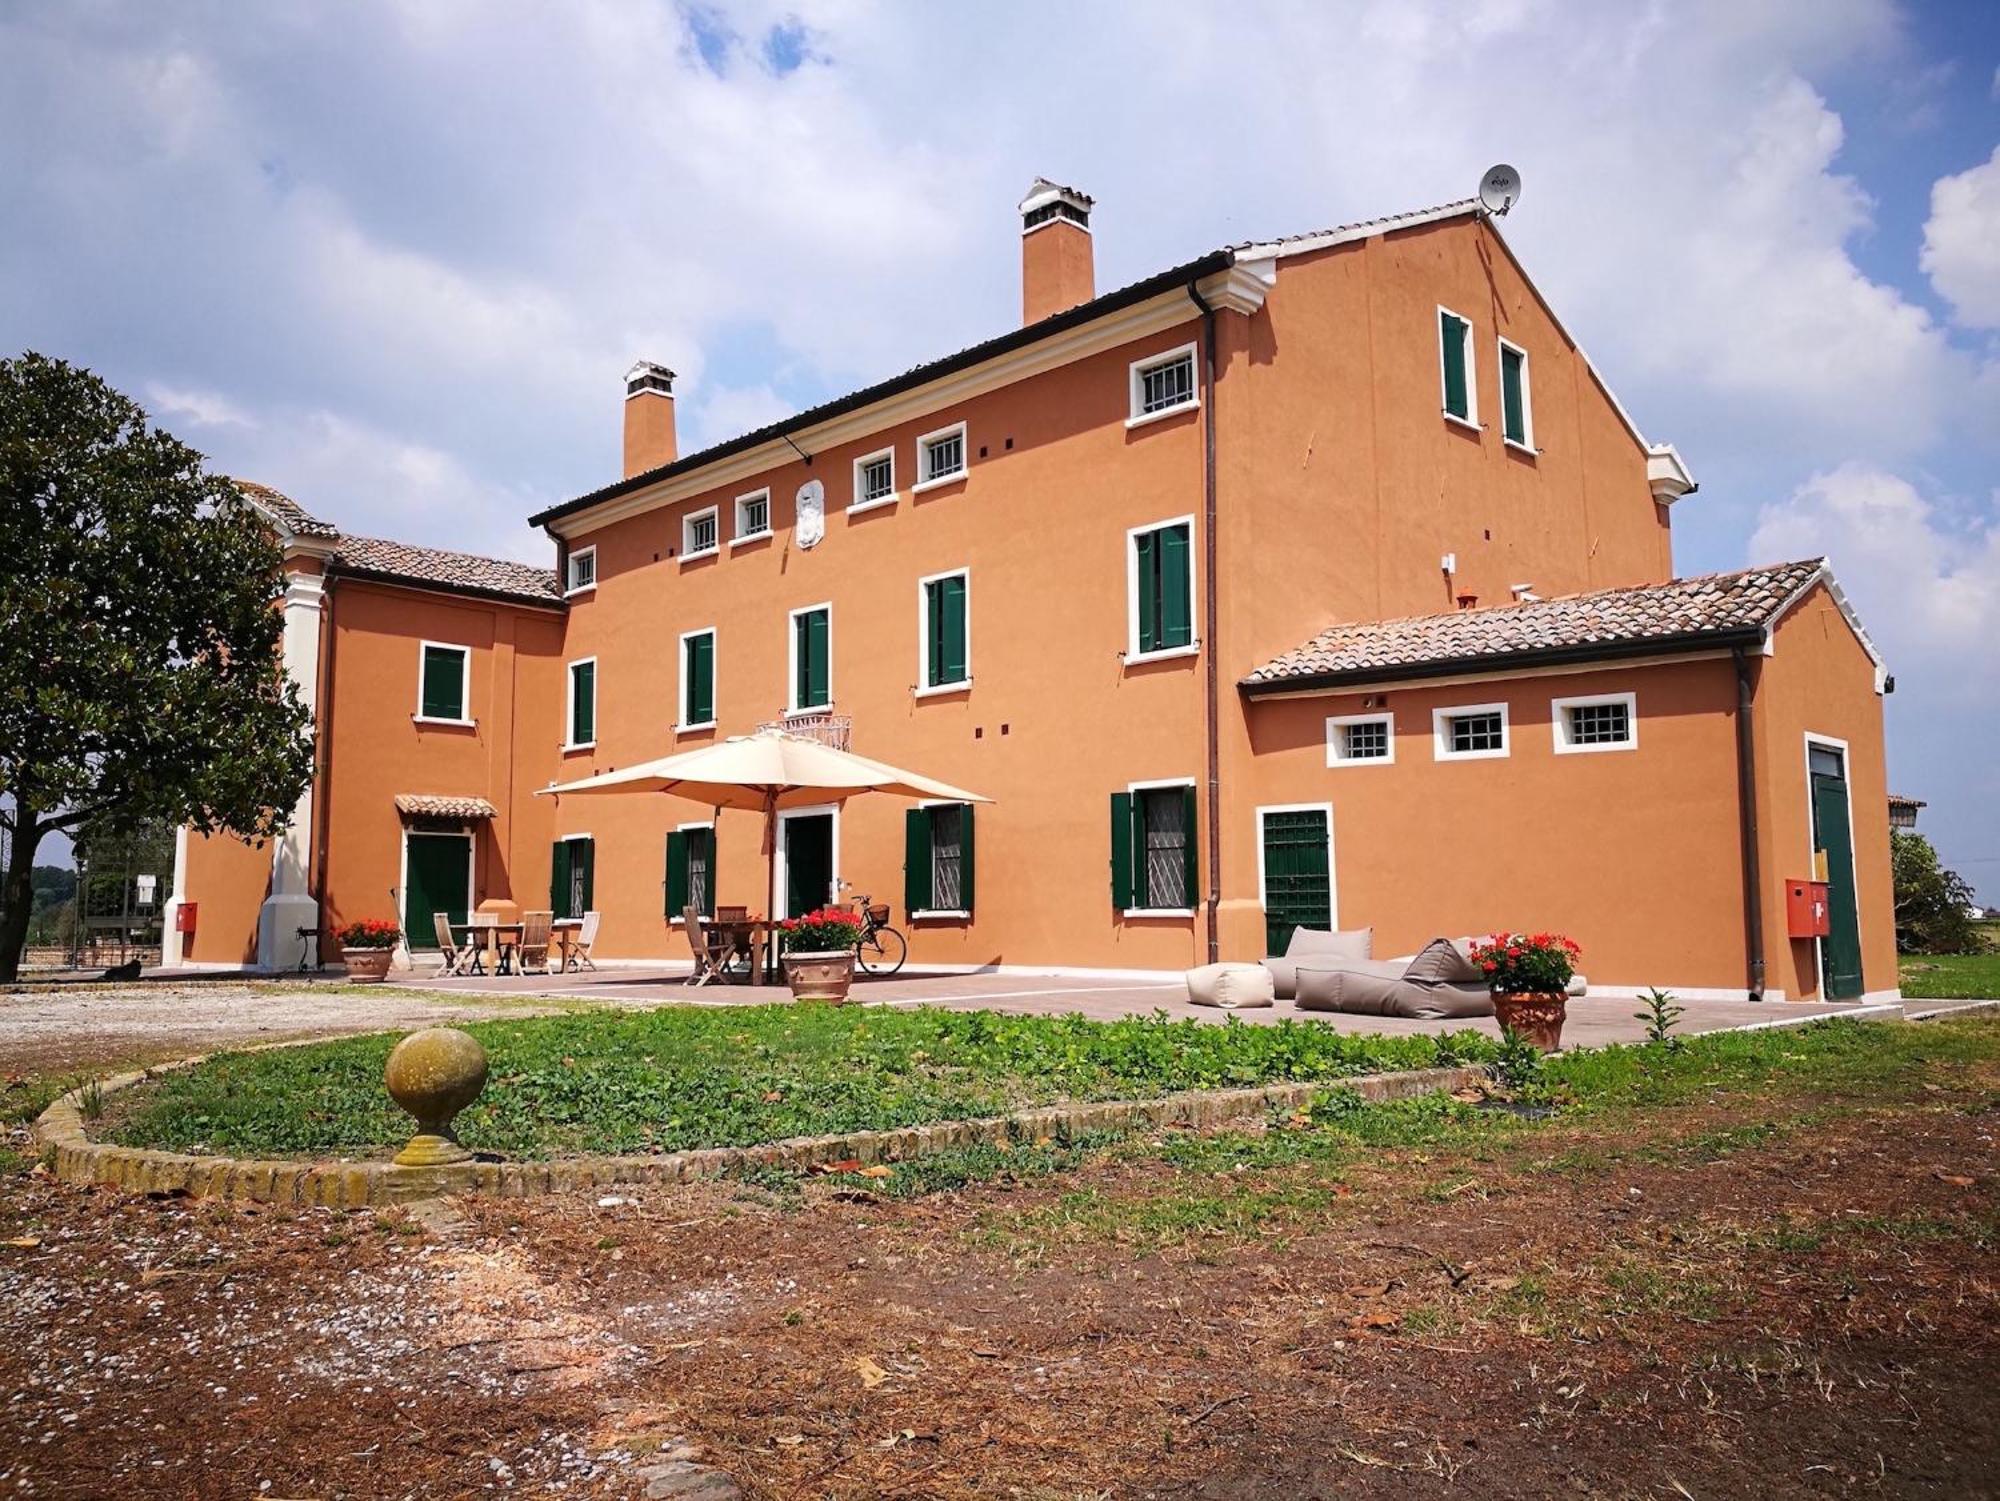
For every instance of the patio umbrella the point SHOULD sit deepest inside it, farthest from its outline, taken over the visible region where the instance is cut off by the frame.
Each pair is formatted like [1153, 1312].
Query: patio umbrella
[768, 772]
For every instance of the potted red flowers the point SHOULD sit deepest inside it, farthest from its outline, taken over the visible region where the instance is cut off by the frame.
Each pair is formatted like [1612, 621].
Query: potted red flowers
[817, 952]
[366, 947]
[1530, 975]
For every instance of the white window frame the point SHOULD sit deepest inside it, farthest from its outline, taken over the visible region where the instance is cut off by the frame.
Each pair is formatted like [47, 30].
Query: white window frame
[738, 536]
[931, 914]
[1332, 871]
[958, 475]
[1136, 377]
[1560, 727]
[682, 828]
[424, 649]
[569, 705]
[792, 710]
[780, 875]
[923, 688]
[1441, 733]
[682, 724]
[689, 552]
[1193, 649]
[1471, 417]
[1334, 757]
[571, 588]
[1527, 443]
[855, 503]
[1134, 789]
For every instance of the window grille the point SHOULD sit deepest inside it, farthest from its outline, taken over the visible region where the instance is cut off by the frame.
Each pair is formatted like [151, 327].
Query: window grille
[753, 516]
[878, 479]
[1367, 741]
[1471, 733]
[944, 456]
[948, 859]
[1600, 724]
[1166, 834]
[701, 532]
[1166, 385]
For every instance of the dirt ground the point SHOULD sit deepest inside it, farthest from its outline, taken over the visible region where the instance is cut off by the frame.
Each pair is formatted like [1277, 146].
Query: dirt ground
[1752, 1295]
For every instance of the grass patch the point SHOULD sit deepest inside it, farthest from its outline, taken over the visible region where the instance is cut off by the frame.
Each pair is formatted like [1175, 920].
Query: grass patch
[1952, 977]
[686, 1077]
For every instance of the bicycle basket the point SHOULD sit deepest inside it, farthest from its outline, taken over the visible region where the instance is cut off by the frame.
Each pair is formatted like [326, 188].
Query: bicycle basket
[878, 913]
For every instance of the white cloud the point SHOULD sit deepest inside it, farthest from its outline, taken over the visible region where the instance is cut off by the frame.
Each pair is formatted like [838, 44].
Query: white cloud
[202, 408]
[1961, 253]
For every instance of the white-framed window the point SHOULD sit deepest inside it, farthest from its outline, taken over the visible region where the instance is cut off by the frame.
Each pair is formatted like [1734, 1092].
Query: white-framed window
[810, 659]
[937, 861]
[1599, 722]
[944, 632]
[753, 517]
[1517, 407]
[1163, 384]
[697, 680]
[1154, 848]
[582, 570]
[1159, 591]
[701, 533]
[874, 480]
[1458, 386]
[444, 683]
[940, 457]
[580, 718]
[1361, 740]
[1470, 732]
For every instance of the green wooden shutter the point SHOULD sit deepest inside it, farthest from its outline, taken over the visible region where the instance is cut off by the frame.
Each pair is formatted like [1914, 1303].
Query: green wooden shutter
[944, 609]
[1190, 850]
[707, 836]
[822, 660]
[583, 711]
[444, 683]
[559, 879]
[1513, 406]
[584, 857]
[917, 859]
[1121, 851]
[1147, 546]
[1176, 588]
[813, 664]
[677, 872]
[699, 665]
[1451, 340]
[965, 856]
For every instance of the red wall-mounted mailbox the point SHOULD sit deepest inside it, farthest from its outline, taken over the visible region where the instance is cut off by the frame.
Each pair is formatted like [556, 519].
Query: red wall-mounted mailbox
[1806, 909]
[184, 917]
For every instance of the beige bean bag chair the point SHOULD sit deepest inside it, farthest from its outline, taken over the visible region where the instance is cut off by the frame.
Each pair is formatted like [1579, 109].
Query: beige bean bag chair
[1439, 983]
[1233, 987]
[1316, 944]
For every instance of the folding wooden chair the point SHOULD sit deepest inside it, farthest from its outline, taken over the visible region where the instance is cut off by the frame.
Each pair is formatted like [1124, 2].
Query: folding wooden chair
[585, 937]
[714, 951]
[534, 948]
[450, 956]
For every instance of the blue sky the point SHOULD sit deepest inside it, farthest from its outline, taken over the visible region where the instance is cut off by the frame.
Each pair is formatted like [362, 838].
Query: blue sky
[394, 259]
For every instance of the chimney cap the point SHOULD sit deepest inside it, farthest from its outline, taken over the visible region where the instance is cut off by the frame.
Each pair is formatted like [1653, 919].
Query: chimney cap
[649, 375]
[1048, 201]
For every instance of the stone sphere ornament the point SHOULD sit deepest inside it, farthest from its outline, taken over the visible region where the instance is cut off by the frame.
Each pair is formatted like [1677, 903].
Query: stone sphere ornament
[434, 1074]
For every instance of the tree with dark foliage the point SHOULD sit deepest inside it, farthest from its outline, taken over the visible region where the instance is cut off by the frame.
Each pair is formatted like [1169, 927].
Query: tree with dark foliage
[1933, 905]
[141, 673]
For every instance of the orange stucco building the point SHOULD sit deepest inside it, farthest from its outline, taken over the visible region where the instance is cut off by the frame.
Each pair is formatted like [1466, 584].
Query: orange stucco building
[1314, 581]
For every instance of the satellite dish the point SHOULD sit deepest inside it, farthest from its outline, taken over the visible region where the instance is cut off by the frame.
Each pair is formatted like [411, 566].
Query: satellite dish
[1499, 189]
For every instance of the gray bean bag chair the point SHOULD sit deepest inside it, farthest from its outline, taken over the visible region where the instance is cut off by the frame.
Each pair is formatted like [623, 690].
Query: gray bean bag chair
[1316, 944]
[1363, 994]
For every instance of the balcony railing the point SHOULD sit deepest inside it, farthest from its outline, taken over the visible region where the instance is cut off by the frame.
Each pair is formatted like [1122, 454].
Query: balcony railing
[828, 729]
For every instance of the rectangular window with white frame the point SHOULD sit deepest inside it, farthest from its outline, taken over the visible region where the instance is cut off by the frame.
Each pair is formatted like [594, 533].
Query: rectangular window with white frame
[944, 632]
[582, 570]
[1162, 385]
[582, 715]
[940, 457]
[1153, 849]
[697, 680]
[874, 480]
[937, 860]
[1159, 581]
[701, 533]
[1601, 722]
[1517, 413]
[811, 659]
[753, 517]
[1458, 388]
[1360, 740]
[1471, 732]
[444, 685]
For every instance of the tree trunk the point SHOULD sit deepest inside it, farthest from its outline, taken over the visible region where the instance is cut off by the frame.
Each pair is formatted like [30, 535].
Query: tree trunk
[17, 892]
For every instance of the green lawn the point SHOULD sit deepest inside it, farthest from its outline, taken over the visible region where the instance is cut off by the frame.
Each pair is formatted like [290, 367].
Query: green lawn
[1952, 976]
[680, 1077]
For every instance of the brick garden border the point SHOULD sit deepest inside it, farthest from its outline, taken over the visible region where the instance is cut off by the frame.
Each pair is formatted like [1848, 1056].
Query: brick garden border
[354, 1185]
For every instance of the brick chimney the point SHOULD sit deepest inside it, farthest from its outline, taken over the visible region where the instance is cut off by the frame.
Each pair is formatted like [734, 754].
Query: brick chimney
[649, 417]
[1056, 270]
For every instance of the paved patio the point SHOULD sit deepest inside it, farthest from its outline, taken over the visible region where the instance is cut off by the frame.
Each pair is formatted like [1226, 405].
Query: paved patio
[1592, 1021]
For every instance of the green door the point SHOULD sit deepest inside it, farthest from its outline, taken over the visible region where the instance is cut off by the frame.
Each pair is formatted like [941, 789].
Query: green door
[808, 863]
[1298, 879]
[438, 879]
[1840, 950]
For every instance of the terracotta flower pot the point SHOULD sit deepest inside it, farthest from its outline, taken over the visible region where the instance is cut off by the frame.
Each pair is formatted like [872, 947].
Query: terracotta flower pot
[821, 976]
[1536, 1016]
[366, 966]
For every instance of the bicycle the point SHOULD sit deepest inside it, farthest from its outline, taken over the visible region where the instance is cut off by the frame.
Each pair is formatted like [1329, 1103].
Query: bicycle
[880, 950]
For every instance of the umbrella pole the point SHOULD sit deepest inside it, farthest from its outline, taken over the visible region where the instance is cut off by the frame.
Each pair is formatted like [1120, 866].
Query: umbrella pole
[771, 878]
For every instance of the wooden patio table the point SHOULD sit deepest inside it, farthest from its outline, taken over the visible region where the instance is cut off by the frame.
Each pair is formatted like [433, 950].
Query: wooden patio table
[747, 936]
[501, 941]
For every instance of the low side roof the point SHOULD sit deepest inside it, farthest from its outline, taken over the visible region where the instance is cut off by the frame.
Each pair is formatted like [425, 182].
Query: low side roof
[1716, 609]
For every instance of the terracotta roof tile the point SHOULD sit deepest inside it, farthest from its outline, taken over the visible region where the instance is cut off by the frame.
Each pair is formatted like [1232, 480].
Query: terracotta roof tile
[443, 805]
[294, 517]
[380, 558]
[1716, 604]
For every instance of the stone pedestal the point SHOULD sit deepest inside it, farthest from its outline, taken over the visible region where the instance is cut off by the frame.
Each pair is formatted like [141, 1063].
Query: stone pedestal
[278, 922]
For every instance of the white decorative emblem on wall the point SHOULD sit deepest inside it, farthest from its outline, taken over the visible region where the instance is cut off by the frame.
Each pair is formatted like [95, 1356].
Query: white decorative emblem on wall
[811, 523]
